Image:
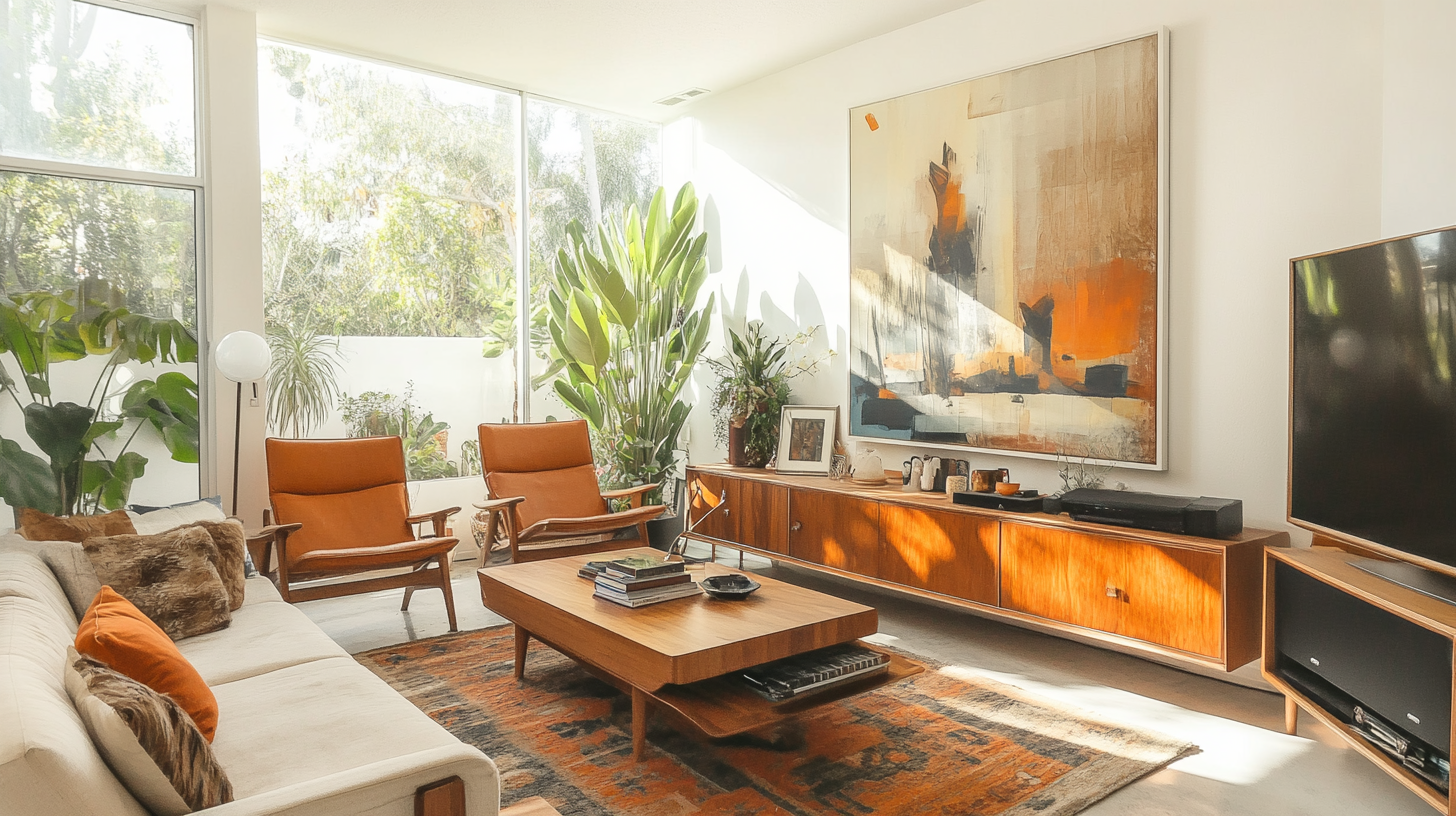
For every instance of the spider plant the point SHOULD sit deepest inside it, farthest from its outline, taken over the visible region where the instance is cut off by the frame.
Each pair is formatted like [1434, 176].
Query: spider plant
[303, 379]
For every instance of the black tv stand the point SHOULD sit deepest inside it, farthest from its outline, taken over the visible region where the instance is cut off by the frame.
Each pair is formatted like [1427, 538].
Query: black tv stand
[1427, 582]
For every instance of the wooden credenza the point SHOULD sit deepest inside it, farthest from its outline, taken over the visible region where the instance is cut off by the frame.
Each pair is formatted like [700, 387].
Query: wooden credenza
[1195, 600]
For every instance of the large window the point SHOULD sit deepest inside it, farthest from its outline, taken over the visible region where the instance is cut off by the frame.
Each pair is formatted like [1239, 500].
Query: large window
[100, 195]
[396, 204]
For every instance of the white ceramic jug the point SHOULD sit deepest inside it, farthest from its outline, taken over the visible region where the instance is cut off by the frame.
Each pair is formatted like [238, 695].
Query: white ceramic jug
[868, 467]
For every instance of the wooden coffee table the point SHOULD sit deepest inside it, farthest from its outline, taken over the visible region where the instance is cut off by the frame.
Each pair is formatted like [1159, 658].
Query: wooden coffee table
[673, 655]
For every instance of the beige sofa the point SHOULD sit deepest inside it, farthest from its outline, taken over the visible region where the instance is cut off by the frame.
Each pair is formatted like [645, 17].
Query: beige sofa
[303, 728]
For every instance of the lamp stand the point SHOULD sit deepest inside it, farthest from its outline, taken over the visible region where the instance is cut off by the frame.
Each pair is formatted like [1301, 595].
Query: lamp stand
[237, 444]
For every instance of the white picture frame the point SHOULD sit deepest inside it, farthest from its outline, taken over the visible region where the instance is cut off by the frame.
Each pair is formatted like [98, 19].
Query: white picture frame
[806, 439]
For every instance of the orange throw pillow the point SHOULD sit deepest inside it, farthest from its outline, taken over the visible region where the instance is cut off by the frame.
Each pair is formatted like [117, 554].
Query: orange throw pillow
[116, 633]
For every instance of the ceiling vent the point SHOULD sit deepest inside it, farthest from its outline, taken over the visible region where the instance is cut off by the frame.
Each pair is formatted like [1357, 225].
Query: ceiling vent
[682, 96]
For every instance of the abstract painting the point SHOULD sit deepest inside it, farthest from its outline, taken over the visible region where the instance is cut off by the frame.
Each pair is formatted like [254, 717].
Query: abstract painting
[1006, 245]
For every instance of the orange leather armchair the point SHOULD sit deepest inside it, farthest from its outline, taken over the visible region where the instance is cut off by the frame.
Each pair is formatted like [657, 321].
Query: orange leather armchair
[342, 509]
[542, 487]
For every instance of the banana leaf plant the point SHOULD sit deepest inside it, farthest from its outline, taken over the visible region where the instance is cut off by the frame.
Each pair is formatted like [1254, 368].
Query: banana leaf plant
[87, 466]
[624, 329]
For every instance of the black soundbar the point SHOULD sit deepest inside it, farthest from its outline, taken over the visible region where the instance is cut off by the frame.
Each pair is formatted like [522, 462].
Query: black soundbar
[1203, 516]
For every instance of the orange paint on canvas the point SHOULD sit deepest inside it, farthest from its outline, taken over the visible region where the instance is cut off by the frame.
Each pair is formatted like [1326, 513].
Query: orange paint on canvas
[872, 122]
[1104, 311]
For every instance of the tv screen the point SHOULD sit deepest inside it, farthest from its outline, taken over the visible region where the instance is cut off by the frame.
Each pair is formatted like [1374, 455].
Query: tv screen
[1373, 412]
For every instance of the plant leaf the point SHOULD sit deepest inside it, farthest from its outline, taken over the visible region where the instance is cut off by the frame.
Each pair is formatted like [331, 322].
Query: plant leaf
[26, 479]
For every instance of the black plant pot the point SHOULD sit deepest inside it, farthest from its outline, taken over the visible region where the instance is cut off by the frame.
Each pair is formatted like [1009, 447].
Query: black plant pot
[663, 531]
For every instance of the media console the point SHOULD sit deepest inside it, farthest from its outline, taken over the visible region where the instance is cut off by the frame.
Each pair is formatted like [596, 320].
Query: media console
[1178, 598]
[1368, 657]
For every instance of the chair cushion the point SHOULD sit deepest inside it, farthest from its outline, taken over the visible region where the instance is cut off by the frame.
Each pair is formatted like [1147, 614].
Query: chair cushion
[116, 633]
[38, 526]
[373, 517]
[527, 447]
[171, 577]
[570, 492]
[147, 739]
[315, 467]
[358, 559]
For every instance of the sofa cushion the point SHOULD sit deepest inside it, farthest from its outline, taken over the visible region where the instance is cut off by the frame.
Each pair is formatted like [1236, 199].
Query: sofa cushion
[171, 577]
[23, 574]
[116, 633]
[38, 526]
[48, 764]
[307, 721]
[263, 637]
[73, 571]
[147, 739]
[162, 519]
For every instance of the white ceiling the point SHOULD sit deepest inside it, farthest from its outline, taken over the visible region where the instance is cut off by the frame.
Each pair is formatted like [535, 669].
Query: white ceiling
[619, 55]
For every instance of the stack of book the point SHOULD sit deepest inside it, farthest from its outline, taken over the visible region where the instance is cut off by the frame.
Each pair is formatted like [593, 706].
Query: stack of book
[642, 581]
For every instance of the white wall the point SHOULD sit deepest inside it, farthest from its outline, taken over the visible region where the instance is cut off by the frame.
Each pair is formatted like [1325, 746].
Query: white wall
[1419, 184]
[1275, 150]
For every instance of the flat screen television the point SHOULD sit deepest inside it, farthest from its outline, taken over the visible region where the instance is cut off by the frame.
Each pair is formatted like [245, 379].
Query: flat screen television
[1373, 397]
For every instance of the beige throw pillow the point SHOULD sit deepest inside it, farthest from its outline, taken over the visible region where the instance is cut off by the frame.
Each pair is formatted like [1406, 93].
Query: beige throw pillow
[149, 742]
[73, 571]
[170, 577]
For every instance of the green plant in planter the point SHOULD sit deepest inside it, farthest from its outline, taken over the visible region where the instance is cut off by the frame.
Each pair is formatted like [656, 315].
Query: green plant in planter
[303, 379]
[753, 388]
[379, 413]
[622, 323]
[41, 329]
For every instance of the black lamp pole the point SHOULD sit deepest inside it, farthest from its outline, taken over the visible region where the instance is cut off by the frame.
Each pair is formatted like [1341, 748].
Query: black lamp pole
[237, 444]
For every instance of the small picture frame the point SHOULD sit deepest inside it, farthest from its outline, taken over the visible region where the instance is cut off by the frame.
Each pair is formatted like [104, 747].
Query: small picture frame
[806, 439]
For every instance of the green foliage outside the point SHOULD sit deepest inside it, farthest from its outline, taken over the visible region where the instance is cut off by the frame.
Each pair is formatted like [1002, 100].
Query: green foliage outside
[623, 326]
[379, 413]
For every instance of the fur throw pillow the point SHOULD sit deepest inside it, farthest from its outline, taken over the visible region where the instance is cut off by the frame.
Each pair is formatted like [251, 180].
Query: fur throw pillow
[38, 526]
[170, 577]
[148, 740]
[232, 552]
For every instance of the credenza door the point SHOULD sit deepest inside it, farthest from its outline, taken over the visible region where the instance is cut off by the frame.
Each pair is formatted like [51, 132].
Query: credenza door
[950, 553]
[835, 530]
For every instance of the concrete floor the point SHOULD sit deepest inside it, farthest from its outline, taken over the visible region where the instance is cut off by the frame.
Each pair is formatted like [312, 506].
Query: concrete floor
[1247, 765]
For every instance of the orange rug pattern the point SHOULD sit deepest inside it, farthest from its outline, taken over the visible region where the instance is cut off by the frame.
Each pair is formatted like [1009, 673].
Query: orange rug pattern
[941, 742]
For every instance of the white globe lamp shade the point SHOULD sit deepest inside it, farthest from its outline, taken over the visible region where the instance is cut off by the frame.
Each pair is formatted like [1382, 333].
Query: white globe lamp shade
[242, 357]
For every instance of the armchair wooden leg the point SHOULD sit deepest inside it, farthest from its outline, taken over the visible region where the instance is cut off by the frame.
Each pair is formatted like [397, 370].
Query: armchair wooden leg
[408, 593]
[444, 559]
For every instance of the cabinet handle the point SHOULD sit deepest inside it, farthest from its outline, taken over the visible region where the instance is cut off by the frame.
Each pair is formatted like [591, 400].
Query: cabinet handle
[795, 527]
[1113, 591]
[726, 511]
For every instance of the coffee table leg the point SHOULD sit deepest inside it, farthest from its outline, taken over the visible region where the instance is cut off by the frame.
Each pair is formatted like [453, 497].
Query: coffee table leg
[522, 639]
[639, 724]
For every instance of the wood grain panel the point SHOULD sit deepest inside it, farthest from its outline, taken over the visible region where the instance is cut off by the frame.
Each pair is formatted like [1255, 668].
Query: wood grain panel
[760, 514]
[720, 524]
[835, 530]
[1165, 595]
[949, 553]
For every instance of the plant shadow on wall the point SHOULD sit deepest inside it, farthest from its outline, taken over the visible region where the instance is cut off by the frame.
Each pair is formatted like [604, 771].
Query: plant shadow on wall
[426, 441]
[753, 388]
[626, 335]
[40, 330]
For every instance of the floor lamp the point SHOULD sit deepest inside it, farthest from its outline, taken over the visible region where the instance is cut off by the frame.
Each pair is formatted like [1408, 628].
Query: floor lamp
[241, 357]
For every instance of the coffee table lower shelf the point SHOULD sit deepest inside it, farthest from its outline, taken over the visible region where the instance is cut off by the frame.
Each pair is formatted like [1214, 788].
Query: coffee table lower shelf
[723, 707]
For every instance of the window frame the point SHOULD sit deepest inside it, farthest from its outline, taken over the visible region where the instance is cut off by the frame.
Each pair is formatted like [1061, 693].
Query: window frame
[196, 183]
[522, 261]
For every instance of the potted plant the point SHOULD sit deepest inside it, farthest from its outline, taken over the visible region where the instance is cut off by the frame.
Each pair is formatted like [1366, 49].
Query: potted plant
[753, 388]
[625, 332]
[84, 471]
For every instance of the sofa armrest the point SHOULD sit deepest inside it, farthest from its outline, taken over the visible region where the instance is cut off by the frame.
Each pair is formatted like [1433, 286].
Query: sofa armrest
[384, 788]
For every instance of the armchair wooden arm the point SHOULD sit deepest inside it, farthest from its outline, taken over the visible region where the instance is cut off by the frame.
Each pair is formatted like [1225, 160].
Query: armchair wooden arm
[258, 544]
[499, 504]
[633, 494]
[437, 519]
[498, 511]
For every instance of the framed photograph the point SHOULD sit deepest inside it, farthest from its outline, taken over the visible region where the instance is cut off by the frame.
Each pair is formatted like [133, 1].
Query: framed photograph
[1009, 260]
[806, 439]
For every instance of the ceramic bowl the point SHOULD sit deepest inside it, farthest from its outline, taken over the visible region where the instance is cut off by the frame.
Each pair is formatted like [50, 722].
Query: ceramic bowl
[724, 587]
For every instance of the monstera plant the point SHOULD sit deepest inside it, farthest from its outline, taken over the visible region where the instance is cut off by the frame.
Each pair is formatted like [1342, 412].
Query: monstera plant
[87, 464]
[625, 333]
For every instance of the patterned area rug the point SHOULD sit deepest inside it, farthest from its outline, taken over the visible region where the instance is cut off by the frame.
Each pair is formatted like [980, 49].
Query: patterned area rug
[941, 742]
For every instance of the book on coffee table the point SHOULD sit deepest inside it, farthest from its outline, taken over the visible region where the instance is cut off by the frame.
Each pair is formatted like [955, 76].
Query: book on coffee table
[646, 567]
[646, 597]
[626, 583]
